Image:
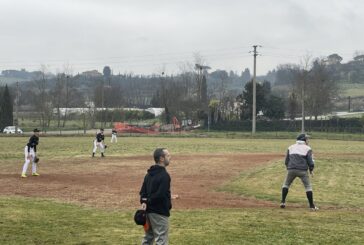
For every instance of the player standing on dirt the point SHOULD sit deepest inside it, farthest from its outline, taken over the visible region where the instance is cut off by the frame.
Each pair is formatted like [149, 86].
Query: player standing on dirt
[298, 161]
[30, 152]
[99, 143]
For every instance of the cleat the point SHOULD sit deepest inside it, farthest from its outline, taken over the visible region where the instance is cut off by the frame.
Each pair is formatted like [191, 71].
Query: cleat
[93, 154]
[314, 208]
[102, 155]
[283, 205]
[35, 174]
[23, 176]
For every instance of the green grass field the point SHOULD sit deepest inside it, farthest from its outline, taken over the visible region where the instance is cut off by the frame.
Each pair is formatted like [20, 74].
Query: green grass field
[353, 90]
[34, 221]
[58, 147]
[337, 182]
[338, 191]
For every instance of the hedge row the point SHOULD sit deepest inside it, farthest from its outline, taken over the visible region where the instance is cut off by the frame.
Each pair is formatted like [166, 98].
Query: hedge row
[350, 125]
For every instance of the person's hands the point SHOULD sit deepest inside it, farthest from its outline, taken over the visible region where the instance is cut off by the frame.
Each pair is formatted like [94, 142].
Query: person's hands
[175, 196]
[144, 206]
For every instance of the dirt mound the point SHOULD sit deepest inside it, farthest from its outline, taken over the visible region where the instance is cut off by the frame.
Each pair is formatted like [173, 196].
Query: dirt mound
[114, 182]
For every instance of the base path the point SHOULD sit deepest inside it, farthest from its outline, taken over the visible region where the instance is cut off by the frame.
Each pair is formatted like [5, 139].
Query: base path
[114, 182]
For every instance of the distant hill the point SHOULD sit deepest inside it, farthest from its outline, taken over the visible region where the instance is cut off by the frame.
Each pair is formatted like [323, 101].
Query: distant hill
[11, 80]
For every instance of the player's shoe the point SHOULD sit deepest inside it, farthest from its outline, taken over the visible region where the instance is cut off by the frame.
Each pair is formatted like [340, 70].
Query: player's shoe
[35, 174]
[93, 154]
[102, 155]
[23, 176]
[283, 205]
[314, 208]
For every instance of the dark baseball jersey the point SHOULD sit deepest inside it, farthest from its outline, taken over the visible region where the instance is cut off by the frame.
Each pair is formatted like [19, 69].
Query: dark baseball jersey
[33, 142]
[99, 137]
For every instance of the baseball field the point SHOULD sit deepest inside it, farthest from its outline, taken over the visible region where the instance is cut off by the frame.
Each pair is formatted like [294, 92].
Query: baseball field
[229, 192]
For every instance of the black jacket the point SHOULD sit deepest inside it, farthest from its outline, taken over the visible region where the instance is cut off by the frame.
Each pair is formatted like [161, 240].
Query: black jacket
[155, 191]
[299, 156]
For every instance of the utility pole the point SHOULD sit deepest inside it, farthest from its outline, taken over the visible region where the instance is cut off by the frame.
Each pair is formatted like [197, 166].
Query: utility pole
[254, 111]
[16, 108]
[102, 105]
[349, 107]
[303, 103]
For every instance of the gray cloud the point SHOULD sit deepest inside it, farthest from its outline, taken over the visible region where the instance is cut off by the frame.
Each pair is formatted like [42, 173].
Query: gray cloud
[142, 36]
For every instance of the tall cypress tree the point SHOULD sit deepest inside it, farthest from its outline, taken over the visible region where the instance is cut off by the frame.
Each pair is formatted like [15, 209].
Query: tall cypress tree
[6, 108]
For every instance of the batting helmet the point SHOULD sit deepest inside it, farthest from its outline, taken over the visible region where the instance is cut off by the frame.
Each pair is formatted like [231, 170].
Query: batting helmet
[303, 137]
[140, 217]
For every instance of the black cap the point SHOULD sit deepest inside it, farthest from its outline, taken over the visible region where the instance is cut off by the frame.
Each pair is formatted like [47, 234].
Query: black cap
[140, 217]
[302, 137]
[36, 130]
[101, 129]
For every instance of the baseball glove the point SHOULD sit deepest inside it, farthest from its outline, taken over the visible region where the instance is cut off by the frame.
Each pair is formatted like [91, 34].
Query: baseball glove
[105, 146]
[36, 159]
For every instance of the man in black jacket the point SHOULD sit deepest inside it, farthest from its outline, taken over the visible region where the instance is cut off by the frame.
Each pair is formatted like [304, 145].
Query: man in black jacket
[155, 198]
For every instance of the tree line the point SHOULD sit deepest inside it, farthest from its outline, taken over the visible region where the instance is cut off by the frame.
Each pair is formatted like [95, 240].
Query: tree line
[194, 93]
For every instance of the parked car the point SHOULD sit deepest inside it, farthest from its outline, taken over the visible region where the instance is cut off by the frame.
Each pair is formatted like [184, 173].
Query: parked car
[11, 130]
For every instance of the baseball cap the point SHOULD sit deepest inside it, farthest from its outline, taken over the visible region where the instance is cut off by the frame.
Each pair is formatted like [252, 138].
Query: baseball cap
[140, 217]
[303, 137]
[36, 130]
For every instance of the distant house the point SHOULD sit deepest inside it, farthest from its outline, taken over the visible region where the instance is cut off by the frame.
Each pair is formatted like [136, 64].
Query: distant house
[93, 73]
[156, 111]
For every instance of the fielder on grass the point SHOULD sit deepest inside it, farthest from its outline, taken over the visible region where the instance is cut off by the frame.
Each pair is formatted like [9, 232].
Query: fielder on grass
[114, 134]
[99, 143]
[30, 152]
[298, 161]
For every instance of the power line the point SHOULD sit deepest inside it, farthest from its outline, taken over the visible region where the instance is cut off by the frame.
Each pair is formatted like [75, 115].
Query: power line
[183, 53]
[142, 62]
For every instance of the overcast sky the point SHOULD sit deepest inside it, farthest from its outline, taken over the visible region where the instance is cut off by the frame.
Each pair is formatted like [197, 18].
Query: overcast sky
[147, 36]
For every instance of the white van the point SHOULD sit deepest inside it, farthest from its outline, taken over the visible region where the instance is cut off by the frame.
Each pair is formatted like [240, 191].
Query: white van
[11, 130]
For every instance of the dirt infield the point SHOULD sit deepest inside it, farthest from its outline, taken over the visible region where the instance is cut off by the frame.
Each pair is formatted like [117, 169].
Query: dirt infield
[114, 182]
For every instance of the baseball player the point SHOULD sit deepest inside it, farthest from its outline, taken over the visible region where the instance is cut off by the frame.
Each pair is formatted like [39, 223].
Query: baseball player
[113, 136]
[99, 143]
[298, 161]
[30, 152]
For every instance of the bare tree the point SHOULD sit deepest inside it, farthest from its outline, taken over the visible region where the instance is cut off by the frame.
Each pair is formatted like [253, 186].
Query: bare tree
[58, 96]
[42, 102]
[321, 89]
[302, 76]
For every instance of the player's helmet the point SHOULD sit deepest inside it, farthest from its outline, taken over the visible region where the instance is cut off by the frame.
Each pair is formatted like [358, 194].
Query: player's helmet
[303, 137]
